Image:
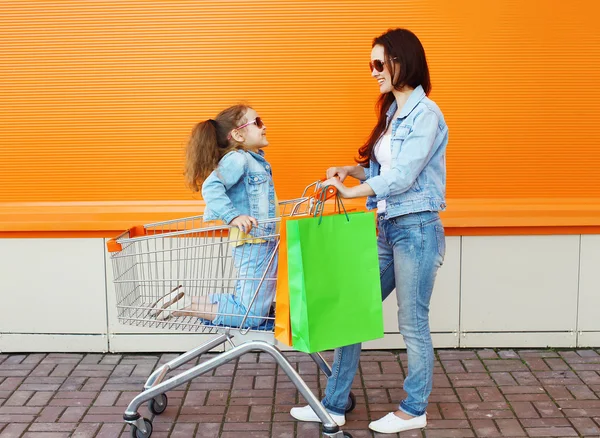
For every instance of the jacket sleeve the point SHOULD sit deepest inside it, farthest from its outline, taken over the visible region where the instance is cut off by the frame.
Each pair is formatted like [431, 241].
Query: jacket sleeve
[230, 171]
[417, 149]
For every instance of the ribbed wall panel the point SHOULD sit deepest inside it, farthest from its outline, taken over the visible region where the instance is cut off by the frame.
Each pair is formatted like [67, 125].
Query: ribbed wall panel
[97, 97]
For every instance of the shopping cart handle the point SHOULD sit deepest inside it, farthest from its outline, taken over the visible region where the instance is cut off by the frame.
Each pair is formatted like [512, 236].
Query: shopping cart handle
[113, 246]
[331, 192]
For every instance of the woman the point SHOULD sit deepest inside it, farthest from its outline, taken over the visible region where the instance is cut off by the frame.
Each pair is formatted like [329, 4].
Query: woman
[403, 170]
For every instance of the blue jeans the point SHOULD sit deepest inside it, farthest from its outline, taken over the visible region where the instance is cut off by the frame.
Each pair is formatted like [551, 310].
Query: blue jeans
[411, 249]
[252, 261]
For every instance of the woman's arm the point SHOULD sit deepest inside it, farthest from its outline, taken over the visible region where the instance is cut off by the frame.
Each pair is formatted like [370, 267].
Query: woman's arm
[342, 172]
[417, 149]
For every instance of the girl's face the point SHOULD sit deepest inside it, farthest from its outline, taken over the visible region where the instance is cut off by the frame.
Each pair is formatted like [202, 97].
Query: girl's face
[384, 77]
[254, 135]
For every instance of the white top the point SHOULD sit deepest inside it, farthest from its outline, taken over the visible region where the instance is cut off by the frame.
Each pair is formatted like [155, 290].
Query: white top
[383, 155]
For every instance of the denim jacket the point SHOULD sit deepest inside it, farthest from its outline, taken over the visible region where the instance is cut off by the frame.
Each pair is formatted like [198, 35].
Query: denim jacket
[241, 184]
[417, 178]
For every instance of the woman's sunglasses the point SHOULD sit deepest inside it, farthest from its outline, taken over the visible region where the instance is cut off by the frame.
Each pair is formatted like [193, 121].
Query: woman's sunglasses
[378, 65]
[258, 121]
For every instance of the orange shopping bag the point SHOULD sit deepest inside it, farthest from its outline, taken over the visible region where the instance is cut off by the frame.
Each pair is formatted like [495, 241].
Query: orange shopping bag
[283, 328]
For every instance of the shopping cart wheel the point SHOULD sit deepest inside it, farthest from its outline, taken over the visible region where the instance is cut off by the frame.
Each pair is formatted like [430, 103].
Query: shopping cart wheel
[158, 404]
[351, 403]
[136, 433]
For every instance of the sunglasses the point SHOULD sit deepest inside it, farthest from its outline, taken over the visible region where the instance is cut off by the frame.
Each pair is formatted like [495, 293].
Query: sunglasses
[378, 65]
[258, 121]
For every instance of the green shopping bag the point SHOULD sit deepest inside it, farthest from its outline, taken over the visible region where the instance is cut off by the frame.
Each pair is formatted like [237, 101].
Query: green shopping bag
[334, 285]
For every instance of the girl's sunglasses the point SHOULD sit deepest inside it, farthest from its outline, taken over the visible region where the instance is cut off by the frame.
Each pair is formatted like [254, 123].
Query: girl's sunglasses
[258, 121]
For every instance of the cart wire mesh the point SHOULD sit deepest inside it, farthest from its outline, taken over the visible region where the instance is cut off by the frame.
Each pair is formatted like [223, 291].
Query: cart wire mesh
[196, 276]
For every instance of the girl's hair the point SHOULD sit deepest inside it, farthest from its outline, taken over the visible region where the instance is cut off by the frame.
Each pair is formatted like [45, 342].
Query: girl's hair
[208, 143]
[403, 48]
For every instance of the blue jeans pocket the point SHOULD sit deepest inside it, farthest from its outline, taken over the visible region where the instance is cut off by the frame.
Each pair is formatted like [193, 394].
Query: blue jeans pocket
[441, 241]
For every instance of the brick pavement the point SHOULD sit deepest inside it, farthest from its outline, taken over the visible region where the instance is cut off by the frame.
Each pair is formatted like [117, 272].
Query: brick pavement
[477, 393]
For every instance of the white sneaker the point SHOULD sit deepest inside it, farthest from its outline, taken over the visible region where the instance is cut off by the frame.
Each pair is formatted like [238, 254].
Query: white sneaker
[391, 423]
[306, 413]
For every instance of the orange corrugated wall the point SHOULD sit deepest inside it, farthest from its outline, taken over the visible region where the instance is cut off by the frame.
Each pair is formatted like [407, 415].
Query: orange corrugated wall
[97, 97]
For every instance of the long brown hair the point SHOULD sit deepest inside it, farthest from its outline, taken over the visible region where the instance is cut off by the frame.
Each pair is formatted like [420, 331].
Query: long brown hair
[208, 143]
[401, 48]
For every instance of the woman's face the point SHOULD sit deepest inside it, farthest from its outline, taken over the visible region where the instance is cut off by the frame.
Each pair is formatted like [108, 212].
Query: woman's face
[384, 78]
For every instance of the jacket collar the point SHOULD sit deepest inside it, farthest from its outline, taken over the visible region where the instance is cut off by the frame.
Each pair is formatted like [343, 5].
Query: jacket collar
[260, 155]
[415, 97]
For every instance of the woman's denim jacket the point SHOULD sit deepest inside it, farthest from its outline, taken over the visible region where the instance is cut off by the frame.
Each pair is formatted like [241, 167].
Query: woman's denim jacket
[417, 178]
[241, 184]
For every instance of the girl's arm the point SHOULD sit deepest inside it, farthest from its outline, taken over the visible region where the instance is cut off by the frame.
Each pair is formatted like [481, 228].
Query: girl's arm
[214, 189]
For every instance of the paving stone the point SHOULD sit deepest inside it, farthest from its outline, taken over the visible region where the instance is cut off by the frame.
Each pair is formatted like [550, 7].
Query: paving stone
[477, 393]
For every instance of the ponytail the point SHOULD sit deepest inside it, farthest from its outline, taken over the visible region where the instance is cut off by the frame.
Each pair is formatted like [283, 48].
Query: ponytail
[208, 143]
[202, 154]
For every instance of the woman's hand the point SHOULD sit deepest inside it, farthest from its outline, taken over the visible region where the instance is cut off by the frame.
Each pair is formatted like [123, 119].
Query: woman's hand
[340, 172]
[337, 183]
[244, 223]
[359, 191]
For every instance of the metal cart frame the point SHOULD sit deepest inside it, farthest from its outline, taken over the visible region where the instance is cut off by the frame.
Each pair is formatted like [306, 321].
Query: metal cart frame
[132, 248]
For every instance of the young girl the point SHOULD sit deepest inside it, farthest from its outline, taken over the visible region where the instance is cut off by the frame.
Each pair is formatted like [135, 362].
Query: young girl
[224, 158]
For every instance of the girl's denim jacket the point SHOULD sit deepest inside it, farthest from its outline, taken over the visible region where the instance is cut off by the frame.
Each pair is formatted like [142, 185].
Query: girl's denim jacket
[417, 178]
[241, 184]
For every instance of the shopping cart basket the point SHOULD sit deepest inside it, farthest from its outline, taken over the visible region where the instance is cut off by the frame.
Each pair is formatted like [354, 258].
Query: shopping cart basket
[165, 272]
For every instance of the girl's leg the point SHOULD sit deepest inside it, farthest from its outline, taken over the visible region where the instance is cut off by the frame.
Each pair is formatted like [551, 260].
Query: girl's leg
[252, 263]
[200, 307]
[265, 259]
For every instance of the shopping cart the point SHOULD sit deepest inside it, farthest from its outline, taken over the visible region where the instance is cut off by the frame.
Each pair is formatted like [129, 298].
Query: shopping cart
[164, 274]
